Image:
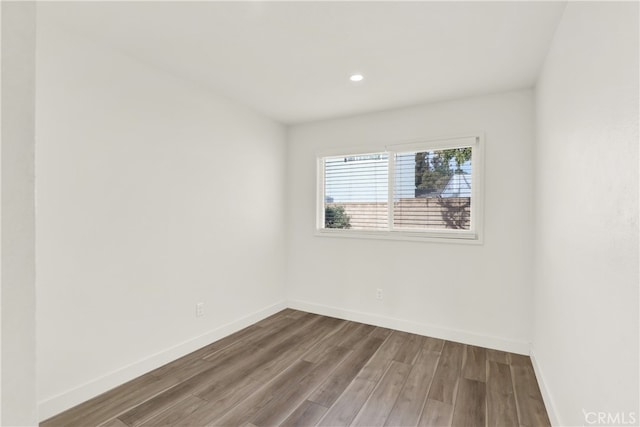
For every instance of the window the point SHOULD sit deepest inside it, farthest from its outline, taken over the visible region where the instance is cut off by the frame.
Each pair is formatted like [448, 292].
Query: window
[428, 190]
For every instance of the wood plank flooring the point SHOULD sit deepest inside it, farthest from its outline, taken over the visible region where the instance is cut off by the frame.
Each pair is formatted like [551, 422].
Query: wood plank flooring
[301, 369]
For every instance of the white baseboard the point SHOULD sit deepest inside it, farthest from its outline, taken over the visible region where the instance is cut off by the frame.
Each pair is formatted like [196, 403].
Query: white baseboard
[546, 396]
[414, 327]
[63, 401]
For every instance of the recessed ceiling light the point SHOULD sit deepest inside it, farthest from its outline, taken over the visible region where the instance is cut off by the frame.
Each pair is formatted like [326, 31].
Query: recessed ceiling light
[356, 77]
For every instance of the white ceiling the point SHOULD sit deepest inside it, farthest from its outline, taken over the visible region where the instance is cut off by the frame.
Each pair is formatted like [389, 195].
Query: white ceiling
[292, 60]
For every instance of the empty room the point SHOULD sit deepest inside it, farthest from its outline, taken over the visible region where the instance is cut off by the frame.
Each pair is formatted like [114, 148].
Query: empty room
[261, 213]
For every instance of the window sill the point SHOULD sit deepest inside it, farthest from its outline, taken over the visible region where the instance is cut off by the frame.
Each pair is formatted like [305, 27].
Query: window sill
[465, 237]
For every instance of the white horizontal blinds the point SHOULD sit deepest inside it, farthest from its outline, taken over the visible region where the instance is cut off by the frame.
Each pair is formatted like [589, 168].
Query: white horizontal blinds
[356, 191]
[433, 189]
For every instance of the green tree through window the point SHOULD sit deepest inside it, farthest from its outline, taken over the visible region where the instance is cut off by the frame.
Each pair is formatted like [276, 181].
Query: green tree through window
[336, 217]
[433, 169]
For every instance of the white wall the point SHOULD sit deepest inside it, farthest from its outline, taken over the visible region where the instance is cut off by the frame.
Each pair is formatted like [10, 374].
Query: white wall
[18, 241]
[1, 216]
[585, 335]
[152, 195]
[474, 293]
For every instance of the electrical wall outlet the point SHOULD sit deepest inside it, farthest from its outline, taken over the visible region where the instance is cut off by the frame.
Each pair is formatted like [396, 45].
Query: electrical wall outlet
[378, 293]
[200, 309]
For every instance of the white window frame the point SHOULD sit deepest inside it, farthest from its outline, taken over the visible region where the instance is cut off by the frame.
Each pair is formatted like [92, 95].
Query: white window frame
[472, 236]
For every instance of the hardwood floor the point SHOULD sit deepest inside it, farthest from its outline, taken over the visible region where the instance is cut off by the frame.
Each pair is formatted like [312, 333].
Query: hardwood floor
[302, 369]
